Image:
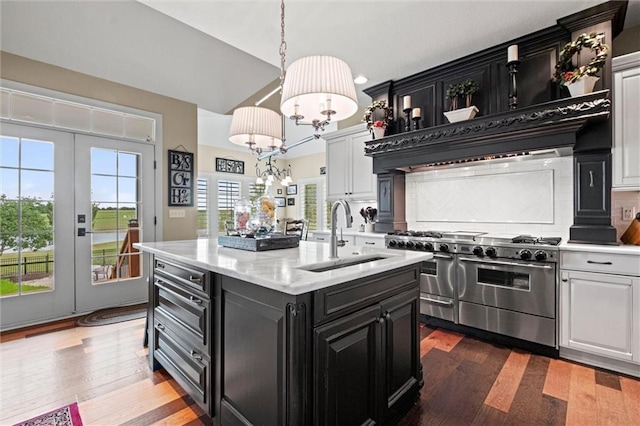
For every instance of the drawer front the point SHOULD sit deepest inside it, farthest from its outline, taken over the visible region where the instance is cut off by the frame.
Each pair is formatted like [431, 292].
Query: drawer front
[620, 264]
[187, 276]
[188, 367]
[191, 311]
[336, 301]
[370, 241]
[177, 331]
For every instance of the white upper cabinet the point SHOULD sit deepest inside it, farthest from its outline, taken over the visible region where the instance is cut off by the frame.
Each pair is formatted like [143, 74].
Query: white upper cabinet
[349, 172]
[626, 136]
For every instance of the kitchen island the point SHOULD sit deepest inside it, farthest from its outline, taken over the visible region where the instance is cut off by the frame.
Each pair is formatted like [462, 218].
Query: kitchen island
[287, 336]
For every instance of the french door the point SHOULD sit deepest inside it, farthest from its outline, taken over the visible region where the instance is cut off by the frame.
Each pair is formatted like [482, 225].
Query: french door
[71, 207]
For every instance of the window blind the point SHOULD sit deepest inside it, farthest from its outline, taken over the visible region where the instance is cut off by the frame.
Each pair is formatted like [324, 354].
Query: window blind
[228, 195]
[203, 208]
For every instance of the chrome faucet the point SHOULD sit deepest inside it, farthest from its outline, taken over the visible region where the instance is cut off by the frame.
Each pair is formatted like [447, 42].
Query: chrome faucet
[334, 243]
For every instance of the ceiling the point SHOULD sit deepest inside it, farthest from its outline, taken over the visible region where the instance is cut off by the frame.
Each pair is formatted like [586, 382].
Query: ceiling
[228, 50]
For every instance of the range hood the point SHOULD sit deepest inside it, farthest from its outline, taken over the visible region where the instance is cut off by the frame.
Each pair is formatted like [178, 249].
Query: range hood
[549, 126]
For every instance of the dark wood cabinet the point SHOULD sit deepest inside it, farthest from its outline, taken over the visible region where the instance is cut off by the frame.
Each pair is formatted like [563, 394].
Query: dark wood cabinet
[180, 327]
[347, 366]
[391, 202]
[346, 354]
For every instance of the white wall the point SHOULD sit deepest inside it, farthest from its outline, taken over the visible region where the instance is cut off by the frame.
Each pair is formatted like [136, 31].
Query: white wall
[482, 196]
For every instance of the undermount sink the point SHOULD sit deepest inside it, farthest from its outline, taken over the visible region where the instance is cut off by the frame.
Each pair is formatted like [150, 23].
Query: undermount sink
[341, 263]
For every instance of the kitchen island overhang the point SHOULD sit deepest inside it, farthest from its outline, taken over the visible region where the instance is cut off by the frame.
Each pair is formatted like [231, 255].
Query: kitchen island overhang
[255, 338]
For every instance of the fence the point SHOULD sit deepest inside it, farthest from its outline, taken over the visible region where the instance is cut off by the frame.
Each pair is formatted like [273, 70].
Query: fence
[31, 265]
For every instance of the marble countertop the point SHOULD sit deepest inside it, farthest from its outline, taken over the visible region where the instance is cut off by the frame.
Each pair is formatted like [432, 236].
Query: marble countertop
[347, 231]
[598, 248]
[280, 269]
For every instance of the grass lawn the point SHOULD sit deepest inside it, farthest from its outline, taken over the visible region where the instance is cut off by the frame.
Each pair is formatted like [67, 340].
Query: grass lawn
[7, 288]
[109, 219]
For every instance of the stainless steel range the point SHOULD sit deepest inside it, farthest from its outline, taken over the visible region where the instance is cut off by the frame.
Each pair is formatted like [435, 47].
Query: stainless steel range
[505, 284]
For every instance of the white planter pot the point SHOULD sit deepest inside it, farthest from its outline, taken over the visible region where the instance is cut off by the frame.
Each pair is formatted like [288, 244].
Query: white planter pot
[461, 114]
[582, 85]
[378, 132]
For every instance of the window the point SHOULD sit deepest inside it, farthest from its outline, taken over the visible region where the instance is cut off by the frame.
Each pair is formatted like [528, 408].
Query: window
[228, 195]
[203, 208]
[217, 195]
[312, 204]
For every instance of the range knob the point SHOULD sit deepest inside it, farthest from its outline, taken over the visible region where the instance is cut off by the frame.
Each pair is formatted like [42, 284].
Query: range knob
[428, 246]
[400, 244]
[410, 244]
[477, 250]
[491, 252]
[419, 245]
[540, 255]
[392, 243]
[444, 247]
[525, 254]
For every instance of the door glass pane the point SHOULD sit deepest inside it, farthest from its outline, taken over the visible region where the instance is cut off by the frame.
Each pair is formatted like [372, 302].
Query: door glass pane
[26, 217]
[116, 208]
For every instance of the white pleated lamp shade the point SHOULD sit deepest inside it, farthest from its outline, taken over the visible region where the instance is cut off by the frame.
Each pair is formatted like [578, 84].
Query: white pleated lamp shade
[255, 125]
[310, 81]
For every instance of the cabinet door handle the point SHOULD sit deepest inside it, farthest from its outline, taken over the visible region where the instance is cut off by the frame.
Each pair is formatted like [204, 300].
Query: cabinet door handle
[381, 320]
[387, 316]
[196, 355]
[369, 243]
[196, 280]
[159, 265]
[564, 280]
[160, 327]
[599, 263]
[591, 179]
[320, 239]
[195, 300]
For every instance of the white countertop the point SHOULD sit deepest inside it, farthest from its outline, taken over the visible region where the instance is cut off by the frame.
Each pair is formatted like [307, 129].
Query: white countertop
[278, 269]
[598, 248]
[352, 232]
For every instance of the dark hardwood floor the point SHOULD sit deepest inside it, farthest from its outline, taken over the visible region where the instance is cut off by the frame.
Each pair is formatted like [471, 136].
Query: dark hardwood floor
[467, 381]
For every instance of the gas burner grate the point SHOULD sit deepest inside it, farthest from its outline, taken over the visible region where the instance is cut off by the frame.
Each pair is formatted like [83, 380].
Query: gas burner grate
[552, 241]
[524, 239]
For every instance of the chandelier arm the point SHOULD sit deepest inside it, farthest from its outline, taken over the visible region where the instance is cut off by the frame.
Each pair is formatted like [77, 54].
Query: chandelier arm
[293, 145]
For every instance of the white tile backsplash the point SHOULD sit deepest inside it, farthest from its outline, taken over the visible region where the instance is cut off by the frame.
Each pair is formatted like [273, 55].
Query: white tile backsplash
[528, 196]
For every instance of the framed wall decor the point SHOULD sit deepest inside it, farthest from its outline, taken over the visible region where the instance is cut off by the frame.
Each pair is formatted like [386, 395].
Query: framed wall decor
[292, 190]
[280, 201]
[226, 165]
[291, 201]
[181, 171]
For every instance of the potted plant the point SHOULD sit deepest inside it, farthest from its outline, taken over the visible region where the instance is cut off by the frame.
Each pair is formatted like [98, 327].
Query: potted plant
[379, 126]
[465, 89]
[581, 79]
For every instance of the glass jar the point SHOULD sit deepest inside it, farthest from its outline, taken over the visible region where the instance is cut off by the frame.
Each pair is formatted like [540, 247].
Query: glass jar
[265, 216]
[242, 216]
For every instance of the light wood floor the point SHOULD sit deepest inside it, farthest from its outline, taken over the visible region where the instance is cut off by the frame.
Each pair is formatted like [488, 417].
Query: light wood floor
[467, 381]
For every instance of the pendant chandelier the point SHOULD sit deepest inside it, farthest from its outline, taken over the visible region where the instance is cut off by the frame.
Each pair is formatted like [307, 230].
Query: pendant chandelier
[315, 91]
[273, 173]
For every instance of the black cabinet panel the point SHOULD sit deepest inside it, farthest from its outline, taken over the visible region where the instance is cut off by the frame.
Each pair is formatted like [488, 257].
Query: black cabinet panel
[345, 368]
[592, 173]
[391, 202]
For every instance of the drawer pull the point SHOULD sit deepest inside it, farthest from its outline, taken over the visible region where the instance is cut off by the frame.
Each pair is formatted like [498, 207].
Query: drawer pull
[160, 327]
[599, 263]
[320, 239]
[160, 265]
[196, 355]
[196, 280]
[195, 300]
[369, 243]
[436, 301]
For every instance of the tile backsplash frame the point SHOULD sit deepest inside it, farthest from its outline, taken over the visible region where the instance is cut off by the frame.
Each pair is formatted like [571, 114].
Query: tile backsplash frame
[561, 197]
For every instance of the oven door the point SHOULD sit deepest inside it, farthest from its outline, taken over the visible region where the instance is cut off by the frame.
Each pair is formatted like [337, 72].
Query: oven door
[437, 291]
[514, 285]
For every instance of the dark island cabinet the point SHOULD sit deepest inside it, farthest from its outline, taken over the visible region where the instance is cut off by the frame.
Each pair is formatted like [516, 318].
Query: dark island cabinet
[180, 327]
[367, 364]
[347, 354]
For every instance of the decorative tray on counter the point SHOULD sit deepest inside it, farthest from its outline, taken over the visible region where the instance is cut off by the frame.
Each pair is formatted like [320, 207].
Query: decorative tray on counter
[267, 242]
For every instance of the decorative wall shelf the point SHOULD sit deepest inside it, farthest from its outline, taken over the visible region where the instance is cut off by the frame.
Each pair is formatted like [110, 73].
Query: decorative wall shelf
[545, 126]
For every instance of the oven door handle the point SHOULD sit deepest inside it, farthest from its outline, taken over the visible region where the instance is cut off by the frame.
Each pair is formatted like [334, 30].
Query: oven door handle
[442, 256]
[435, 301]
[497, 262]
